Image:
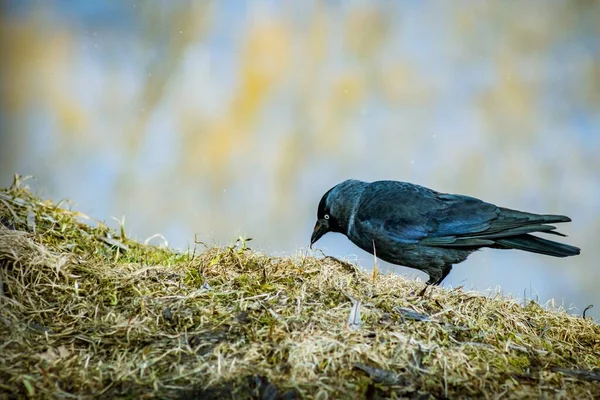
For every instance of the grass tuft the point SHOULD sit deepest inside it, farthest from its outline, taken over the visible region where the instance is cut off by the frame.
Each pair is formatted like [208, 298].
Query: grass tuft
[88, 312]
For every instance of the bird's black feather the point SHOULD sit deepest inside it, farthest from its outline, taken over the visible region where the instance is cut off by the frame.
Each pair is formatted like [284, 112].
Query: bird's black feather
[418, 227]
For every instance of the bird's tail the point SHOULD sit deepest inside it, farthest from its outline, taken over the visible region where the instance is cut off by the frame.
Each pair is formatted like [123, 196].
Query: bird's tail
[538, 245]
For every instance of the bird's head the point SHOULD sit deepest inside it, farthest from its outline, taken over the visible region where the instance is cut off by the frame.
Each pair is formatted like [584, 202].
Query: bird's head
[336, 208]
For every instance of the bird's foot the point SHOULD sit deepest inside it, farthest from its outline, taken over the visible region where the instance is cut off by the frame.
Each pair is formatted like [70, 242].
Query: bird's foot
[422, 292]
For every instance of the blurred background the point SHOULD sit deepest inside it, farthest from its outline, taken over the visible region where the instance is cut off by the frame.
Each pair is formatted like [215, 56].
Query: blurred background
[232, 118]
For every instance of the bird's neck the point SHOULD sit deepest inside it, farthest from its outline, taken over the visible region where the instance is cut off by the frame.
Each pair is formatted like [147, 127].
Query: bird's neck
[346, 210]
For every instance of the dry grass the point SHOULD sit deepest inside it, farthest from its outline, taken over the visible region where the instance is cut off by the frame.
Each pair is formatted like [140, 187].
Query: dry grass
[86, 312]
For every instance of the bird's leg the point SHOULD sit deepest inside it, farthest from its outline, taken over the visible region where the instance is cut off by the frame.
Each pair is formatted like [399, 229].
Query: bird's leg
[435, 282]
[445, 271]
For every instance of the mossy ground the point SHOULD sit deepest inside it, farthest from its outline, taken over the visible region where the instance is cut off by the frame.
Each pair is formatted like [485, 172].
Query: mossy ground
[87, 312]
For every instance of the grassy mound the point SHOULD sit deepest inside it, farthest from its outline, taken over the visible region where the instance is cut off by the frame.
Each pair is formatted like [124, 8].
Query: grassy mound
[87, 312]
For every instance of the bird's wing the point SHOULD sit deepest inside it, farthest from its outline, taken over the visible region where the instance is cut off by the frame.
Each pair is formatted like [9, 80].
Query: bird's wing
[411, 214]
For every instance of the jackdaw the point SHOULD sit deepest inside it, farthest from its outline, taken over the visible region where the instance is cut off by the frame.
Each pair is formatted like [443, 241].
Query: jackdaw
[420, 228]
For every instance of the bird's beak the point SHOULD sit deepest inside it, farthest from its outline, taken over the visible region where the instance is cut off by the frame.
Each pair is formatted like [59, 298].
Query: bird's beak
[321, 228]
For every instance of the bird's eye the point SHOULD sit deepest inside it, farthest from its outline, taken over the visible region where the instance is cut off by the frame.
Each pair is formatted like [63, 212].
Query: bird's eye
[326, 216]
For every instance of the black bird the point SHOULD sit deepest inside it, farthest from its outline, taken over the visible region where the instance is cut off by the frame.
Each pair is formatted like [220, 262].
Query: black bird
[420, 228]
